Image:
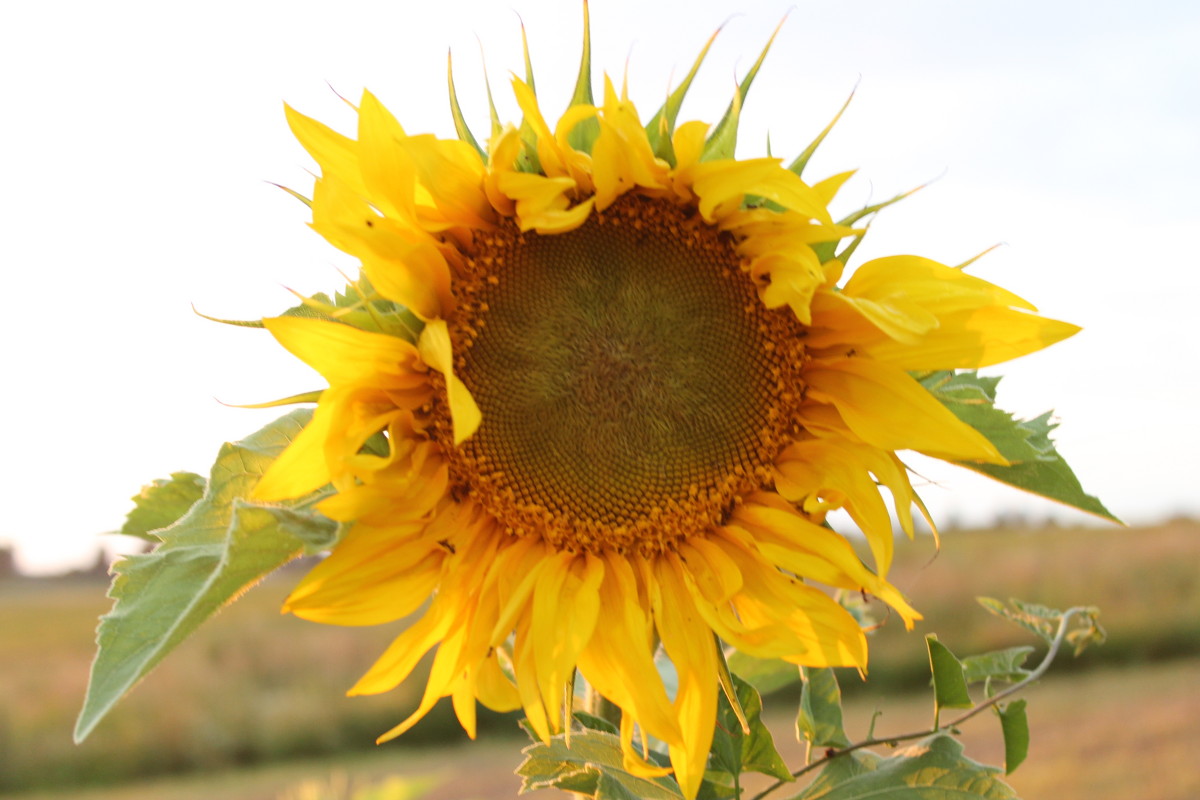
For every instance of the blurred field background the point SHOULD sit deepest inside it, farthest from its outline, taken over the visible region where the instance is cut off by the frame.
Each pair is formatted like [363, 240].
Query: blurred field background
[253, 706]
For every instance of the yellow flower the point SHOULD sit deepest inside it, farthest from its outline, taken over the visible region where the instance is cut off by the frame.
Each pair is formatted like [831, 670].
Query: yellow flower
[637, 389]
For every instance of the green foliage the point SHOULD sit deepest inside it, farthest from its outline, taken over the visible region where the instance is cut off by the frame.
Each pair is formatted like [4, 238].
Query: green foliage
[933, 769]
[1044, 622]
[1035, 465]
[161, 503]
[1002, 665]
[357, 305]
[949, 679]
[1015, 727]
[591, 765]
[212, 553]
[735, 751]
[819, 721]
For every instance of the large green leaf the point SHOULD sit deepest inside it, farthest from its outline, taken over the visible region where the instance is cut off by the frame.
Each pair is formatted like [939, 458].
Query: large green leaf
[162, 502]
[819, 721]
[1035, 465]
[736, 752]
[933, 769]
[591, 766]
[222, 545]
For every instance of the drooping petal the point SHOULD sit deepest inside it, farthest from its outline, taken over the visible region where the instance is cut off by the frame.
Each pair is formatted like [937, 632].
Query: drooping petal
[435, 348]
[888, 409]
[689, 643]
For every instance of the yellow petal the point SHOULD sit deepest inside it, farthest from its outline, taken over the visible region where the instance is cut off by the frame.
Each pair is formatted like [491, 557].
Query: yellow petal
[334, 153]
[813, 551]
[976, 338]
[692, 649]
[404, 264]
[387, 169]
[302, 467]
[434, 346]
[619, 657]
[368, 581]
[343, 354]
[890, 410]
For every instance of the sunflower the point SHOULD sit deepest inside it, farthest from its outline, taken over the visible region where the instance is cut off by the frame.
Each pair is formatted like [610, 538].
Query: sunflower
[601, 384]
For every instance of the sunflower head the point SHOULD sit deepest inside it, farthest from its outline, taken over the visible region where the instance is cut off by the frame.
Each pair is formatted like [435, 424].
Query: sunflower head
[596, 390]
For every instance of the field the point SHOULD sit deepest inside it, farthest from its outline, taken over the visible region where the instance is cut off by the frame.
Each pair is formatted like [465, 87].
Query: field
[253, 704]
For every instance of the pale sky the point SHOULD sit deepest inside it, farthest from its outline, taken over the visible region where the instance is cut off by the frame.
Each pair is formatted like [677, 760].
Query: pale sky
[139, 138]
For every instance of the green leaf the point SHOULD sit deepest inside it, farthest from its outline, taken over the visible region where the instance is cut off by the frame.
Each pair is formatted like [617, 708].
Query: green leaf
[208, 557]
[594, 723]
[592, 766]
[735, 752]
[1035, 618]
[1002, 665]
[162, 502]
[1016, 734]
[949, 681]
[933, 769]
[819, 721]
[1036, 466]
[765, 674]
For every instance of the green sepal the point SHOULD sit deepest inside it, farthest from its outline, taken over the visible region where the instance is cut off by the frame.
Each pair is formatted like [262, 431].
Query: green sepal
[1015, 727]
[162, 502]
[1035, 465]
[460, 122]
[307, 201]
[487, 85]
[801, 161]
[949, 678]
[661, 127]
[584, 135]
[819, 720]
[295, 399]
[527, 159]
[593, 766]
[735, 752]
[220, 547]
[932, 769]
[357, 305]
[827, 250]
[723, 139]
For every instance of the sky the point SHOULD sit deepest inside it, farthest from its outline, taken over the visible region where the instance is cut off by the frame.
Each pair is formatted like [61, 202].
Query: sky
[141, 140]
